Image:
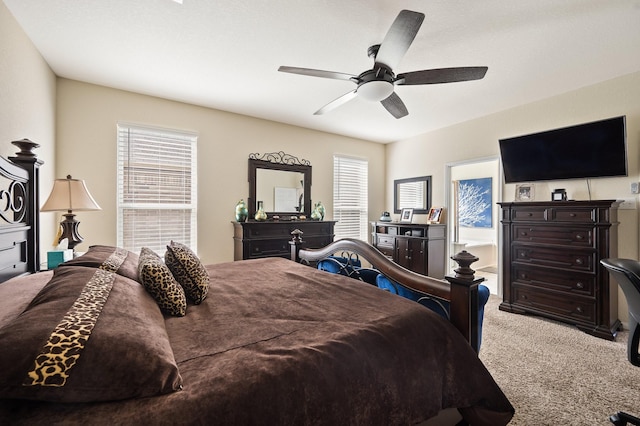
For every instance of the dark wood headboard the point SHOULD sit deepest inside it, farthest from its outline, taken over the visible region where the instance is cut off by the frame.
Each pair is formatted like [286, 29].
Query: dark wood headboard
[19, 212]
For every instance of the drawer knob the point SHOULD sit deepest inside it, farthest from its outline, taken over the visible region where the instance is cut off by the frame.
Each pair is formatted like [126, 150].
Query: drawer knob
[523, 233]
[579, 237]
[529, 214]
[579, 309]
[579, 262]
[572, 214]
[579, 285]
[524, 276]
[525, 297]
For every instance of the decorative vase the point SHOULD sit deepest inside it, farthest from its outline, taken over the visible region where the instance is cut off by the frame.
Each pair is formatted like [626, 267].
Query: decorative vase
[260, 214]
[318, 211]
[386, 217]
[321, 210]
[241, 211]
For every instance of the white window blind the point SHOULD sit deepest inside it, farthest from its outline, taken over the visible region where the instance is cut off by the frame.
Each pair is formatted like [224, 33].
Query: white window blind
[350, 197]
[157, 188]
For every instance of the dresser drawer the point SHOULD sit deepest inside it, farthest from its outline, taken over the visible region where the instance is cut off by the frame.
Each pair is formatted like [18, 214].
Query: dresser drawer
[573, 214]
[572, 308]
[283, 229]
[582, 261]
[384, 240]
[268, 248]
[529, 214]
[282, 248]
[576, 283]
[554, 234]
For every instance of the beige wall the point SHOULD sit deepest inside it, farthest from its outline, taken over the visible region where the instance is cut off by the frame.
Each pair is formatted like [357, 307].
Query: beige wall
[27, 105]
[86, 147]
[429, 153]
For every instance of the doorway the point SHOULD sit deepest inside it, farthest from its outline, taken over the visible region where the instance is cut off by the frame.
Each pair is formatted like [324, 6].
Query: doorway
[474, 187]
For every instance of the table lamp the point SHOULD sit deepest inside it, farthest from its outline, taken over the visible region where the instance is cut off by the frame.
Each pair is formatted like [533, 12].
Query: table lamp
[70, 195]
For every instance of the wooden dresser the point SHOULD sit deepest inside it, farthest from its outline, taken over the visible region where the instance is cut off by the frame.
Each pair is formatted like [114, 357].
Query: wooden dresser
[551, 262]
[417, 247]
[255, 239]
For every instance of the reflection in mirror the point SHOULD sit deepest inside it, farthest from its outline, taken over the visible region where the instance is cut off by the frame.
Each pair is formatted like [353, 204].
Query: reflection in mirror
[412, 193]
[281, 182]
[280, 190]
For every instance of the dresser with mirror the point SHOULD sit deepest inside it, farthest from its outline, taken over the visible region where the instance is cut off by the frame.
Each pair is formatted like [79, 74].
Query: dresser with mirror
[281, 184]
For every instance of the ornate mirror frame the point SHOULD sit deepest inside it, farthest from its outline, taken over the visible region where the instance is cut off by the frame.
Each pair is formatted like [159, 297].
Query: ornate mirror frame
[400, 184]
[283, 162]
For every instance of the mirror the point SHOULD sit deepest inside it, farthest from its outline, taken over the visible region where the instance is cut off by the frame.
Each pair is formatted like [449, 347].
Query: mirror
[412, 193]
[282, 182]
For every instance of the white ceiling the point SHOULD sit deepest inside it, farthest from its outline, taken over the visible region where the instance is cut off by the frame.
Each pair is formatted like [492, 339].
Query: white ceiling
[224, 54]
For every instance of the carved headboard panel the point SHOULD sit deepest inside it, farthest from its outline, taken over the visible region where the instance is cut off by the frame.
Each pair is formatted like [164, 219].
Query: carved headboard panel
[19, 212]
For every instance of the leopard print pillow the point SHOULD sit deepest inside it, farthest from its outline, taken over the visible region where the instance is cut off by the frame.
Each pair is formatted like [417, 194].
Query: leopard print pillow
[160, 283]
[188, 271]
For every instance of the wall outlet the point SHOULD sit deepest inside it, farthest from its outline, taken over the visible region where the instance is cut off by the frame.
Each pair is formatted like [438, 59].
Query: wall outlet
[635, 187]
[628, 204]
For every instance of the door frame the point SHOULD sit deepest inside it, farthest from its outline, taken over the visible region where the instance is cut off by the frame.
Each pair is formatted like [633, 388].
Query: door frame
[449, 207]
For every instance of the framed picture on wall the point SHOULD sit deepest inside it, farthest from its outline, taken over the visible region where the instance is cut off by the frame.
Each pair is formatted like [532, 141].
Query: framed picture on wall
[475, 202]
[406, 216]
[435, 215]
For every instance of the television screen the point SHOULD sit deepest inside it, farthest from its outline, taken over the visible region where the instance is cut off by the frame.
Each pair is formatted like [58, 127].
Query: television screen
[596, 149]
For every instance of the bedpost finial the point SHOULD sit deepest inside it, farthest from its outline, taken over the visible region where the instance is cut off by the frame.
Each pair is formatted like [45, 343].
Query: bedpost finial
[297, 235]
[26, 148]
[464, 259]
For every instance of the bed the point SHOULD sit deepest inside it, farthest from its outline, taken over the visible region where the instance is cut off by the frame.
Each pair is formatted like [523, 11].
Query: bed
[266, 341]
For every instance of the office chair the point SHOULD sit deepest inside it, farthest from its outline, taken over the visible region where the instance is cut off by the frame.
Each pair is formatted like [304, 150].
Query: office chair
[627, 274]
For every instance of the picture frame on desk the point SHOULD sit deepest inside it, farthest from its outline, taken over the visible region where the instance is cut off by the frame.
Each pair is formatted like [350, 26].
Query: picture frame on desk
[406, 216]
[435, 215]
[525, 192]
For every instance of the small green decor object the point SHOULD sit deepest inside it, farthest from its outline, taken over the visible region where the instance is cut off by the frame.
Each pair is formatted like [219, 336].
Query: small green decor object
[321, 210]
[241, 211]
[260, 214]
[318, 211]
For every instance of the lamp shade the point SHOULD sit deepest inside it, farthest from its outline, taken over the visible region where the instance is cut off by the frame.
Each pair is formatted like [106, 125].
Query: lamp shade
[71, 195]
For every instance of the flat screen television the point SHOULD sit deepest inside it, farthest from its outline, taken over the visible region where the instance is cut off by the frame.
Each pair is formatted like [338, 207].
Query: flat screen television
[596, 149]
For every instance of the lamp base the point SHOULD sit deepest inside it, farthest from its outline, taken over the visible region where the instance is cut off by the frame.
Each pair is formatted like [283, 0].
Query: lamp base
[70, 230]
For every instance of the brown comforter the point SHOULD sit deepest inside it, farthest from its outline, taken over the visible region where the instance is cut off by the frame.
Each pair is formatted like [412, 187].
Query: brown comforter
[278, 343]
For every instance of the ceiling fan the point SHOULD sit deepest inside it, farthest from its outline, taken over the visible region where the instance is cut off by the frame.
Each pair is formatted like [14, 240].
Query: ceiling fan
[377, 84]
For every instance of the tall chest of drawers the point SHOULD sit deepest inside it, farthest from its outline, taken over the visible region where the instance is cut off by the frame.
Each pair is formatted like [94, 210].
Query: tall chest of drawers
[551, 262]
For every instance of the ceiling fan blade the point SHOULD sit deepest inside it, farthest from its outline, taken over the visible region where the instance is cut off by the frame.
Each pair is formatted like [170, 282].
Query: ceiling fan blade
[318, 73]
[336, 102]
[398, 38]
[395, 106]
[441, 75]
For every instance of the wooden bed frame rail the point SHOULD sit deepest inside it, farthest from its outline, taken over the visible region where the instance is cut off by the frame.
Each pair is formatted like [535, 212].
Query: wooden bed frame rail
[461, 290]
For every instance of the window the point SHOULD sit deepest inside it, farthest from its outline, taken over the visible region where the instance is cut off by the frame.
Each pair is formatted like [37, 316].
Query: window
[157, 188]
[350, 197]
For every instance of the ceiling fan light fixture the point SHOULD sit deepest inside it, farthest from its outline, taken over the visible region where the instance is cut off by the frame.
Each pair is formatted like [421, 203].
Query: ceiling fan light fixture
[375, 90]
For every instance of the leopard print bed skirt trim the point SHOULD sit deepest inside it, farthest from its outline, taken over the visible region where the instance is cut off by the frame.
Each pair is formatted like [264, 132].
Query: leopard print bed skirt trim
[67, 341]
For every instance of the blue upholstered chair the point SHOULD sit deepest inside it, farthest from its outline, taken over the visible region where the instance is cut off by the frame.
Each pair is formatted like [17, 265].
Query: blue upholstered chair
[350, 267]
[438, 306]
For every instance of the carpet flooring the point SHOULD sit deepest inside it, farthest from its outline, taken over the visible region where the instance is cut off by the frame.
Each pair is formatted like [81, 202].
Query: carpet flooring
[554, 374]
